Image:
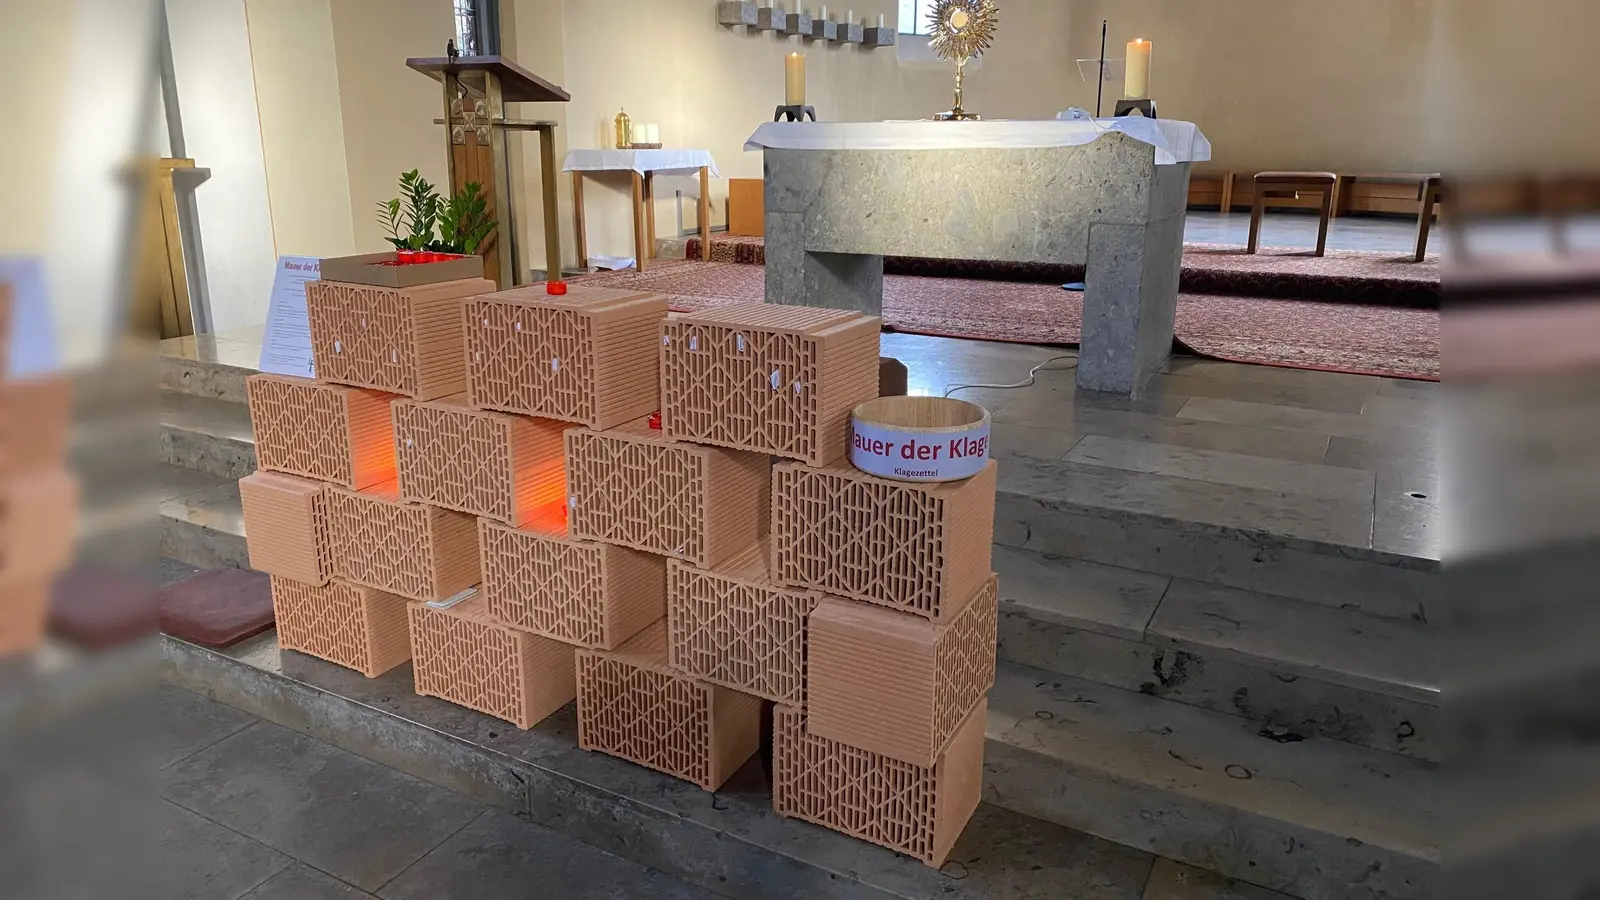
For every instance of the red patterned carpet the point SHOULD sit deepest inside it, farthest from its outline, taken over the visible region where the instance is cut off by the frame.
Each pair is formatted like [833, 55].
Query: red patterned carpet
[1290, 273]
[1372, 340]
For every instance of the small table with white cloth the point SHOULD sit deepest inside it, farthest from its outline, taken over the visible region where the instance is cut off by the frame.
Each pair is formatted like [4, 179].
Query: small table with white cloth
[645, 165]
[1108, 194]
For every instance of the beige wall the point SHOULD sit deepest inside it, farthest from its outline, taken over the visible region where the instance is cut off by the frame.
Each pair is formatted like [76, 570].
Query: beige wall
[302, 126]
[1274, 84]
[1353, 85]
[387, 109]
[669, 62]
[28, 152]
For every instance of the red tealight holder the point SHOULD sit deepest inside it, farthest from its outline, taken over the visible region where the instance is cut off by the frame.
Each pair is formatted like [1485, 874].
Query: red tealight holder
[555, 288]
[655, 420]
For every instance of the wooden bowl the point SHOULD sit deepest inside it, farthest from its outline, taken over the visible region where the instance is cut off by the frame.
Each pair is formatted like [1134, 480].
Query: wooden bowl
[919, 438]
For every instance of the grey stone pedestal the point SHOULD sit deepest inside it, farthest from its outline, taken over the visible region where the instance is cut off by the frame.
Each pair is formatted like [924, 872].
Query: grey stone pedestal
[832, 215]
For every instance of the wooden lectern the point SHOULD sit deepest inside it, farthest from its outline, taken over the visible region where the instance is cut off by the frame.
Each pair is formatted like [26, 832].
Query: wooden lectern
[476, 90]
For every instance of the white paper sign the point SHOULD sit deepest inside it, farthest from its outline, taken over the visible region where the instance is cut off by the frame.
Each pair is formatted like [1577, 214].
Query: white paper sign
[32, 351]
[286, 349]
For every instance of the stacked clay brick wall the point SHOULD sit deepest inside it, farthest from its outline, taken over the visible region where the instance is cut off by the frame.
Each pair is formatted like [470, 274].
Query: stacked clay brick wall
[731, 625]
[631, 486]
[582, 592]
[286, 526]
[916, 810]
[417, 551]
[895, 684]
[327, 432]
[771, 379]
[589, 356]
[924, 549]
[406, 341]
[632, 704]
[489, 464]
[463, 655]
[357, 627]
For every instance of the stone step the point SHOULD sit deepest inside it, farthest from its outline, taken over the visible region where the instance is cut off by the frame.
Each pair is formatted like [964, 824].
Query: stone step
[1247, 538]
[207, 435]
[208, 366]
[1300, 669]
[201, 521]
[1318, 819]
[730, 842]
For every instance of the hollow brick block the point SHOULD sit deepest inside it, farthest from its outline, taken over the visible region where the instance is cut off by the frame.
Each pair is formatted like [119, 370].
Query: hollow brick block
[286, 526]
[328, 432]
[771, 379]
[35, 416]
[24, 611]
[595, 595]
[895, 684]
[406, 341]
[417, 551]
[38, 525]
[463, 655]
[731, 625]
[632, 704]
[916, 810]
[357, 627]
[919, 548]
[630, 486]
[590, 356]
[489, 464]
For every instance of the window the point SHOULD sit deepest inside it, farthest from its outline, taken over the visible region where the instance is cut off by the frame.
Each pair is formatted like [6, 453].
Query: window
[914, 16]
[477, 27]
[467, 27]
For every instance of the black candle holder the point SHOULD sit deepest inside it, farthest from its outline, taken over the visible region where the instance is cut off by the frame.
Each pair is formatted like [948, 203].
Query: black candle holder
[1145, 106]
[794, 113]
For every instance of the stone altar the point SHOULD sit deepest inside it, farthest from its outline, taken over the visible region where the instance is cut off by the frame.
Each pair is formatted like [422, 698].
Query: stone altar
[840, 197]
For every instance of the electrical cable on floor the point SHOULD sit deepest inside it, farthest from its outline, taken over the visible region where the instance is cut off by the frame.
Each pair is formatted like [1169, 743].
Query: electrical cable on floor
[1028, 382]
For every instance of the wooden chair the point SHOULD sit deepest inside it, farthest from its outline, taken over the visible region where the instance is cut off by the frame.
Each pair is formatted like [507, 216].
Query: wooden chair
[1432, 195]
[1270, 186]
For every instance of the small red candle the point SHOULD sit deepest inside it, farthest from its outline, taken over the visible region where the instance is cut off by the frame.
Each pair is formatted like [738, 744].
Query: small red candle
[655, 420]
[555, 288]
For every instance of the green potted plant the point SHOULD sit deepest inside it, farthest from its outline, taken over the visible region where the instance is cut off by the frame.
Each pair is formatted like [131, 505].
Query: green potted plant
[463, 221]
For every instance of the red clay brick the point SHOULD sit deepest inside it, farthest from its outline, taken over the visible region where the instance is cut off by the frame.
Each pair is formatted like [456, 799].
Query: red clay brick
[590, 594]
[328, 432]
[591, 356]
[896, 684]
[633, 705]
[405, 341]
[417, 551]
[630, 486]
[916, 810]
[916, 547]
[731, 625]
[286, 526]
[490, 464]
[463, 655]
[772, 379]
[357, 627]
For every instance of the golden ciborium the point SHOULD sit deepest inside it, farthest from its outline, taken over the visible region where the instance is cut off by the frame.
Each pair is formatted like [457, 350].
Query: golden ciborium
[962, 29]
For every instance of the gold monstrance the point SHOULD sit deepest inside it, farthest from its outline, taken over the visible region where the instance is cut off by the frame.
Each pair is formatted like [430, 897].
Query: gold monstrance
[962, 29]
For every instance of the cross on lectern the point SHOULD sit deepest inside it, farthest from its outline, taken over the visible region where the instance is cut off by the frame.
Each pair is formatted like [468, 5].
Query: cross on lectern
[476, 91]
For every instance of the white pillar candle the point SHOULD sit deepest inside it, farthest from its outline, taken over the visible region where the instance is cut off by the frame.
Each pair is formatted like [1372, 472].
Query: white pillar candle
[794, 79]
[880, 20]
[823, 15]
[850, 17]
[1137, 86]
[655, 134]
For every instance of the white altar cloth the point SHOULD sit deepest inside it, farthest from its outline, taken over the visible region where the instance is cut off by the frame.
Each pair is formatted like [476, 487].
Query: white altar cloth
[1175, 141]
[661, 162]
